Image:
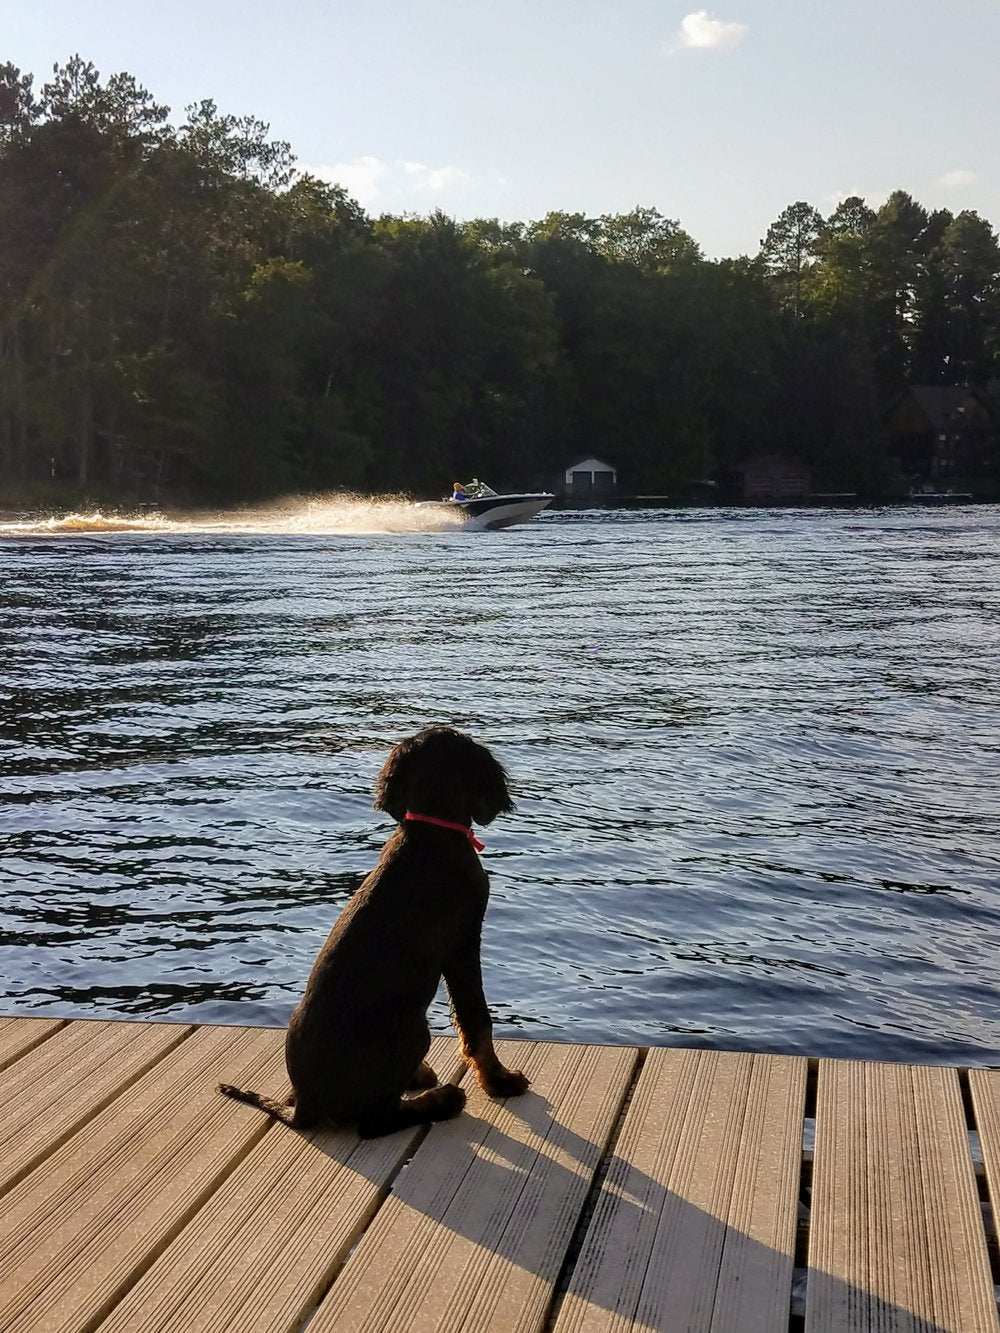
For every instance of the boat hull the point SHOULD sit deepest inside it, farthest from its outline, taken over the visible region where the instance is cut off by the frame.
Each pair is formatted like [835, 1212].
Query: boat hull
[490, 512]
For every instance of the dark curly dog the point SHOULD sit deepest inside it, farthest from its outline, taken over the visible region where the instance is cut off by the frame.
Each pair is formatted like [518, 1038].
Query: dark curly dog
[359, 1036]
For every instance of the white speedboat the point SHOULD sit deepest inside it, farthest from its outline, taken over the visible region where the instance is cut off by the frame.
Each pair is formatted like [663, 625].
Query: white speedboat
[484, 508]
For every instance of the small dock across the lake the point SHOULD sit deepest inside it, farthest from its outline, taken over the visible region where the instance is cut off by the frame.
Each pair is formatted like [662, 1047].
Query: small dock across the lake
[673, 1190]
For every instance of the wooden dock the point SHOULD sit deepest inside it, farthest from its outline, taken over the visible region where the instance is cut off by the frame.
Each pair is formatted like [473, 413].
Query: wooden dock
[670, 1190]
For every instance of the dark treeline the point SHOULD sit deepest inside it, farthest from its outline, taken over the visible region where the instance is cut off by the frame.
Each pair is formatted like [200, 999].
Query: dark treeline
[184, 316]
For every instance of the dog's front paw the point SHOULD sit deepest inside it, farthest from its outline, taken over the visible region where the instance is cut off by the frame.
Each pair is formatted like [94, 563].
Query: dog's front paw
[505, 1083]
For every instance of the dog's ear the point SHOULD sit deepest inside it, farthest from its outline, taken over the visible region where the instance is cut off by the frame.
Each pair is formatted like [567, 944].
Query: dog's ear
[392, 786]
[488, 786]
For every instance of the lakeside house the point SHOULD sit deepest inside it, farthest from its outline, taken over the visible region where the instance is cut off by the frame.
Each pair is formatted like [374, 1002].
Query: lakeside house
[940, 431]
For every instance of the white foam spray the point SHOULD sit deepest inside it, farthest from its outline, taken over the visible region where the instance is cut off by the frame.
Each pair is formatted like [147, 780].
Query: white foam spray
[333, 514]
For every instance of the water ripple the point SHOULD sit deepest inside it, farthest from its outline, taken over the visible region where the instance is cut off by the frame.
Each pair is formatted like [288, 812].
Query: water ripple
[755, 755]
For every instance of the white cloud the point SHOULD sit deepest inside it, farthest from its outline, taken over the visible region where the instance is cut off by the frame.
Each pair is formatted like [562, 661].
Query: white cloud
[959, 177]
[700, 31]
[361, 178]
[370, 180]
[434, 178]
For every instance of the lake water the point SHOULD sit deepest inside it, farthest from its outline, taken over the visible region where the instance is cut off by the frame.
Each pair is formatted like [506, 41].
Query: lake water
[756, 757]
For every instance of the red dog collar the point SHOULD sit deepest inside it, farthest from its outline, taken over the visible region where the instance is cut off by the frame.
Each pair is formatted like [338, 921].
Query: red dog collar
[446, 823]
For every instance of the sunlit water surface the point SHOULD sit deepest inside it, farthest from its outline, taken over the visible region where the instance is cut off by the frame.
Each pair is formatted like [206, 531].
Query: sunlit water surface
[756, 758]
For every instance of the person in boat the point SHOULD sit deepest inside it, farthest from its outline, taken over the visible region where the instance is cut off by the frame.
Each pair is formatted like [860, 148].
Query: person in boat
[459, 492]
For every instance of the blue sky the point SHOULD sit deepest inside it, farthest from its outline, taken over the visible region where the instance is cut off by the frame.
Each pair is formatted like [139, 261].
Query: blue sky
[718, 117]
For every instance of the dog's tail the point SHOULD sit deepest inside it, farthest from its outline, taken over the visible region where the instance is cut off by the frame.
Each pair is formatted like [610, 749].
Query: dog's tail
[286, 1114]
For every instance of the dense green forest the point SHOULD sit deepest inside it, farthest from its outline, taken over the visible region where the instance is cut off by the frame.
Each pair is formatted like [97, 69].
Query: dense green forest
[184, 316]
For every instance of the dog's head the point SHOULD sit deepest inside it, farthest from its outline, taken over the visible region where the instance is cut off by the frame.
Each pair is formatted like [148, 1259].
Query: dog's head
[443, 772]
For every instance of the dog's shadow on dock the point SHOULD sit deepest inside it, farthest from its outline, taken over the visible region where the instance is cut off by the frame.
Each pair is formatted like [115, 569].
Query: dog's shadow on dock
[596, 1231]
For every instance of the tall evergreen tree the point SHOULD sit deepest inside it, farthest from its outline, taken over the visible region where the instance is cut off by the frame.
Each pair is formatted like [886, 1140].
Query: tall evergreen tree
[789, 250]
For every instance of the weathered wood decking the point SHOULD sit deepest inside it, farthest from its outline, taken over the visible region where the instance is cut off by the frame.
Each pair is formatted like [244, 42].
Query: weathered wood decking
[626, 1191]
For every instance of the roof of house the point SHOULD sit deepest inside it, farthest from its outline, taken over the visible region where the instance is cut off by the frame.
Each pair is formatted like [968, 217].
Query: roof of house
[590, 465]
[948, 404]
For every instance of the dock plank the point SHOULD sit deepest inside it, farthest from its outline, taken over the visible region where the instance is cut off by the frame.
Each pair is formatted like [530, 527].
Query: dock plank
[60, 1083]
[694, 1227]
[896, 1238]
[475, 1231]
[263, 1250]
[18, 1035]
[78, 1231]
[984, 1085]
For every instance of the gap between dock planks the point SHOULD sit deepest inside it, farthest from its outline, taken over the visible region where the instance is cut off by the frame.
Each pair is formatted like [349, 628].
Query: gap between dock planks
[624, 1192]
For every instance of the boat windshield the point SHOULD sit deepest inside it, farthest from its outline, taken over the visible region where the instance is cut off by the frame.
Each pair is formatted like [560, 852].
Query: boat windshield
[477, 489]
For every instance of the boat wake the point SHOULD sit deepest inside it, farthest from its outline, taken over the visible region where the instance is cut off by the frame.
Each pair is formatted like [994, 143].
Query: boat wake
[316, 516]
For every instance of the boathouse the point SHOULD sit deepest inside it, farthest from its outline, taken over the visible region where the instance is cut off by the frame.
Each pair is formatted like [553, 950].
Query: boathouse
[775, 479]
[590, 481]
